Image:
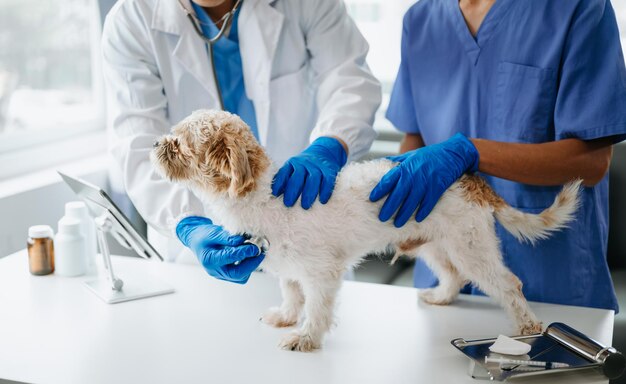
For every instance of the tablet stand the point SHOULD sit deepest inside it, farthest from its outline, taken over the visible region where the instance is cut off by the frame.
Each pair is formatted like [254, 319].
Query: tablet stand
[112, 289]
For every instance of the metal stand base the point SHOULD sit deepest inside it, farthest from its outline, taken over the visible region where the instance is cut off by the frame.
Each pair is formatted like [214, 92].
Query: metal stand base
[113, 289]
[135, 288]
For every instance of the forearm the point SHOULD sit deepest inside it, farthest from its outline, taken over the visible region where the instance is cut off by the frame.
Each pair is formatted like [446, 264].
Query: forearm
[348, 94]
[345, 116]
[410, 142]
[552, 163]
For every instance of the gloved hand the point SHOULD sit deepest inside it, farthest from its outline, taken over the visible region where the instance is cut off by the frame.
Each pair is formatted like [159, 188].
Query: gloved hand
[218, 250]
[310, 173]
[422, 176]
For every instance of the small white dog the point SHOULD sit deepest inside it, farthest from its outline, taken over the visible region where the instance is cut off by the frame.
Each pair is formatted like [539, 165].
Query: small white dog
[217, 156]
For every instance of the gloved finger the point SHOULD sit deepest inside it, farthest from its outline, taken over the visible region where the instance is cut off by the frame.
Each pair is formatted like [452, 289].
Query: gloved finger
[194, 221]
[213, 258]
[428, 203]
[241, 273]
[190, 225]
[399, 158]
[311, 187]
[386, 184]
[240, 253]
[327, 186]
[395, 199]
[279, 182]
[213, 235]
[295, 185]
[224, 238]
[407, 209]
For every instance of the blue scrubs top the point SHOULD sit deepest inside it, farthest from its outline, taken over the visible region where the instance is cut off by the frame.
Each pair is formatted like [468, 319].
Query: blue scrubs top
[537, 71]
[228, 67]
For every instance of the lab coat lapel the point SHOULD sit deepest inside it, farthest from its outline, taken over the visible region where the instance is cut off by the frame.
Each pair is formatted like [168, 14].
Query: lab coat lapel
[190, 51]
[260, 25]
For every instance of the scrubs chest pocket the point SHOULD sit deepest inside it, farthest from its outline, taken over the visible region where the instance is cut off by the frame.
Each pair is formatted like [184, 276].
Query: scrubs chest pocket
[525, 99]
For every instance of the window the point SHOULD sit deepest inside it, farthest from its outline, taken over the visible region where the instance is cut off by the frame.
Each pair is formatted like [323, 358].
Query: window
[50, 87]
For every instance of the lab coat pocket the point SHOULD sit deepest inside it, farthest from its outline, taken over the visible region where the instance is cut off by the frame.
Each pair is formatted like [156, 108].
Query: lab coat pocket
[525, 99]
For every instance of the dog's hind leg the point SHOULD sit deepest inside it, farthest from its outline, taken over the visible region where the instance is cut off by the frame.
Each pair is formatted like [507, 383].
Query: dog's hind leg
[484, 267]
[319, 306]
[289, 311]
[450, 282]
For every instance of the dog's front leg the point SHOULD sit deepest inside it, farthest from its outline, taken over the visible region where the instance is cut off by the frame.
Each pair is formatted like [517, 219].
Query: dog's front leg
[318, 309]
[289, 311]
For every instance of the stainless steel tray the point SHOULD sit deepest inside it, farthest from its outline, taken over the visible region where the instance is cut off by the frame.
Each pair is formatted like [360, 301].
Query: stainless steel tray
[558, 343]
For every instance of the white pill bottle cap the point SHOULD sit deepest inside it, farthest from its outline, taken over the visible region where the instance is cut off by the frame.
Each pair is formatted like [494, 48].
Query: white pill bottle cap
[69, 226]
[76, 209]
[40, 231]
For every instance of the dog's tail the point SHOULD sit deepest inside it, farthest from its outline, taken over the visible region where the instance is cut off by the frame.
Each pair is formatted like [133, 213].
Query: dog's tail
[526, 227]
[532, 227]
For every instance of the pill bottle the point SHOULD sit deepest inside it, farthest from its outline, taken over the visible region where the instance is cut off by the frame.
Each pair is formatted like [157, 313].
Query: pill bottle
[78, 210]
[69, 248]
[40, 250]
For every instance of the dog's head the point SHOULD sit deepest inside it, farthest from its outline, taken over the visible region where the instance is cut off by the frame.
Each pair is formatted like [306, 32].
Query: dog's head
[212, 150]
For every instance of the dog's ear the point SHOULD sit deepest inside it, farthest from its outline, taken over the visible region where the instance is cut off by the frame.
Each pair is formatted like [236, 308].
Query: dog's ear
[241, 177]
[227, 164]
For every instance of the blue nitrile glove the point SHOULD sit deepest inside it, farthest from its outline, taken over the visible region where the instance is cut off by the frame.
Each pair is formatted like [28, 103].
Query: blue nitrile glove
[311, 173]
[422, 176]
[218, 250]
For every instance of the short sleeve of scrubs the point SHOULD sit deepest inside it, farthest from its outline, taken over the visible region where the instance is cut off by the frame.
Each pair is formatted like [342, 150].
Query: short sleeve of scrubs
[400, 111]
[592, 93]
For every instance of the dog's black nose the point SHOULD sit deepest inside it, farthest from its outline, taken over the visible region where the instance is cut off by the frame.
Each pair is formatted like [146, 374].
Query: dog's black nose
[155, 144]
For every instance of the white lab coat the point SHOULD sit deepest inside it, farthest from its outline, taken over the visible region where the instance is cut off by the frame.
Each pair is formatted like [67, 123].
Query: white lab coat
[304, 69]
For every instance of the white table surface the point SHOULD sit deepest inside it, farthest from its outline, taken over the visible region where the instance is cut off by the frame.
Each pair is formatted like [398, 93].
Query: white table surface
[54, 330]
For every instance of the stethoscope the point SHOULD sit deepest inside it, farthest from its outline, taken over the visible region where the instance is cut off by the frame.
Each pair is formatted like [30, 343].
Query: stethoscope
[226, 21]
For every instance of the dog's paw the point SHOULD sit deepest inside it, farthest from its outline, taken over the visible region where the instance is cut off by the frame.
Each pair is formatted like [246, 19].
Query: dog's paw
[276, 318]
[530, 328]
[435, 296]
[295, 341]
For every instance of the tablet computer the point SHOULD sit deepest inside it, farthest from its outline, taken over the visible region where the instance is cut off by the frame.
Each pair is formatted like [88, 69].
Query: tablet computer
[98, 202]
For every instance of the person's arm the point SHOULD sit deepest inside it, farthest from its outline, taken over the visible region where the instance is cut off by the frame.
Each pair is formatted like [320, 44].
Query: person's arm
[552, 163]
[410, 142]
[347, 97]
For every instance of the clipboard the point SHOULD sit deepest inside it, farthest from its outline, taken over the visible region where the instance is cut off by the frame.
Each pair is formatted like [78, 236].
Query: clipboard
[558, 343]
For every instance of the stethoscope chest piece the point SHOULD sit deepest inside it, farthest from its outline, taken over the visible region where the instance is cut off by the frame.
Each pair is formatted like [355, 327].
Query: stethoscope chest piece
[261, 242]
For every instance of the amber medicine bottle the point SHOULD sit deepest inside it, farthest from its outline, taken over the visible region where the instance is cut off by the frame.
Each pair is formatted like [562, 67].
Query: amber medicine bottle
[40, 250]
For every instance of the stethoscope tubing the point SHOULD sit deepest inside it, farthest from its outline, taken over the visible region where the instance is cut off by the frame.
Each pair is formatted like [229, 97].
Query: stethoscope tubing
[226, 21]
